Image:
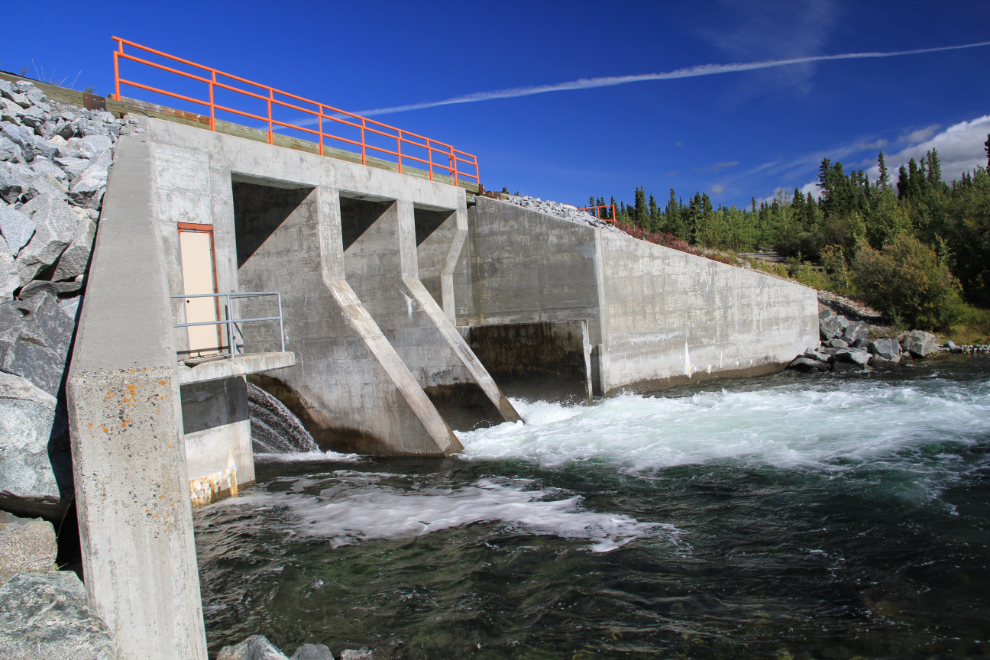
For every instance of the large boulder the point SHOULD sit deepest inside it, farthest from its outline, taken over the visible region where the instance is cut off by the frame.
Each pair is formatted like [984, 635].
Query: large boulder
[27, 545]
[853, 356]
[828, 326]
[8, 150]
[35, 458]
[885, 348]
[40, 350]
[15, 181]
[312, 652]
[885, 363]
[854, 332]
[918, 343]
[56, 224]
[45, 616]
[74, 260]
[255, 647]
[807, 365]
[87, 190]
[17, 228]
[10, 280]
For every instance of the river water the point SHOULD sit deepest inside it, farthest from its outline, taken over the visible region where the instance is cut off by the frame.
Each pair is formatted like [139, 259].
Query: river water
[787, 516]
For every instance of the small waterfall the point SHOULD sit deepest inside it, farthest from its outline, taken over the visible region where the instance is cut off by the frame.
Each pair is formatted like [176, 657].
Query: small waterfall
[274, 429]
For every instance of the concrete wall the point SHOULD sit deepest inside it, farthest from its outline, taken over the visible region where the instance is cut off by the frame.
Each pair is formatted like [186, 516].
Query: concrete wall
[276, 216]
[217, 432]
[129, 463]
[656, 317]
[670, 317]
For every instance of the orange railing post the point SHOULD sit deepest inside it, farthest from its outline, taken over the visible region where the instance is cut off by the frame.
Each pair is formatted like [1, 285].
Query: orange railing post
[213, 115]
[321, 129]
[287, 100]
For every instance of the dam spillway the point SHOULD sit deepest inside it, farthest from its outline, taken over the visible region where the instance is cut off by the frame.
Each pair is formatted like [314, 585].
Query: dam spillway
[382, 276]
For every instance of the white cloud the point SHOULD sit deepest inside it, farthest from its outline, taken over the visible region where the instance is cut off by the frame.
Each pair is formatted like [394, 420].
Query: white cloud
[960, 149]
[920, 135]
[718, 188]
[813, 188]
[718, 167]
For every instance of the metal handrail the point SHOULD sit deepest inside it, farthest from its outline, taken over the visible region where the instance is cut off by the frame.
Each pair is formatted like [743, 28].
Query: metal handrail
[597, 212]
[230, 322]
[319, 111]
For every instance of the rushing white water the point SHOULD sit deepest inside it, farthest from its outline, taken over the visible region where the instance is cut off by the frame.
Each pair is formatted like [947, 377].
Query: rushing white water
[787, 425]
[356, 507]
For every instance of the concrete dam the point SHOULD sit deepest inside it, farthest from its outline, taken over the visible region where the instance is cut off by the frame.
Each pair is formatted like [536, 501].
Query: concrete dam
[386, 309]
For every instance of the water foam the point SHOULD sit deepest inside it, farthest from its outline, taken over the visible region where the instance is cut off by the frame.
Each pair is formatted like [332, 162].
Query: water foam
[791, 425]
[308, 456]
[356, 507]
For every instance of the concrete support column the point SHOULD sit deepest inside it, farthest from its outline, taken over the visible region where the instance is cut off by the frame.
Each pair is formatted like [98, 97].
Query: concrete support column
[129, 463]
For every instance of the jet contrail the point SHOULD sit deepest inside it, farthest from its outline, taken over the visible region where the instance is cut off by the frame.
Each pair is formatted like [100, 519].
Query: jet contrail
[690, 72]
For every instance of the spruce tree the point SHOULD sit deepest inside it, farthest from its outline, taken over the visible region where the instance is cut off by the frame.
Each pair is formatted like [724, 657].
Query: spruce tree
[884, 180]
[986, 148]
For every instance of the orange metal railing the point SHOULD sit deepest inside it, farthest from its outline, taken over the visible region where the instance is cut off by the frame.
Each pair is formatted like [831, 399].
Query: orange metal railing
[215, 79]
[597, 212]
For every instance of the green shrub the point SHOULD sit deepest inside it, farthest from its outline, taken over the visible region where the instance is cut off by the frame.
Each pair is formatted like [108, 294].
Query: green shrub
[907, 281]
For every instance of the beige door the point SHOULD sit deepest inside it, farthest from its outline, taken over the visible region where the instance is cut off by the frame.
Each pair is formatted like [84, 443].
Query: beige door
[196, 246]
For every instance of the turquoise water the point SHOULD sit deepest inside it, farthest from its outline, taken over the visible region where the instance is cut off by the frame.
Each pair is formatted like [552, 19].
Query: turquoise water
[786, 516]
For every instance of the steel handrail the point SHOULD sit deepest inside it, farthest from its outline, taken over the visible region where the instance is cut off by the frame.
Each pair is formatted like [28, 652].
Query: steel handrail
[230, 322]
[597, 212]
[320, 113]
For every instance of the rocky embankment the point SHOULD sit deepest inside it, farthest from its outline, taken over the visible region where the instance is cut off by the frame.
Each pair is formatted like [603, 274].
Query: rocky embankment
[257, 647]
[565, 211]
[54, 165]
[845, 346]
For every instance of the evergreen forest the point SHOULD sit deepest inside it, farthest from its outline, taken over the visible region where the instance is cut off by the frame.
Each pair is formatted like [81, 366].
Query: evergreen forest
[916, 248]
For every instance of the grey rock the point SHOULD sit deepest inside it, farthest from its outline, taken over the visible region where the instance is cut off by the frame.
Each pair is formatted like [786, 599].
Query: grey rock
[855, 331]
[35, 95]
[951, 345]
[6, 88]
[807, 365]
[837, 343]
[72, 167]
[853, 356]
[56, 289]
[56, 224]
[44, 165]
[27, 545]
[10, 281]
[40, 351]
[45, 184]
[820, 355]
[33, 117]
[17, 228]
[35, 461]
[74, 260]
[885, 363]
[46, 616]
[255, 647]
[43, 148]
[9, 151]
[918, 343]
[312, 652]
[70, 307]
[87, 189]
[862, 342]
[360, 654]
[64, 129]
[15, 180]
[22, 137]
[885, 348]
[828, 327]
[90, 145]
[843, 323]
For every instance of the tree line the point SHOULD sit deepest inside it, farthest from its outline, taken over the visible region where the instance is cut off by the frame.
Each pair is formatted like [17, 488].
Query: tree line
[855, 223]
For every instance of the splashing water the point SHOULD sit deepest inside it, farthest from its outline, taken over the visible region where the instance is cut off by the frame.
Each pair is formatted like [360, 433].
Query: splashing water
[274, 429]
[782, 516]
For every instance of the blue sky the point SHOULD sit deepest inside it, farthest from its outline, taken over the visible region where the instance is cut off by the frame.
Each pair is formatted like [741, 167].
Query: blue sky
[734, 135]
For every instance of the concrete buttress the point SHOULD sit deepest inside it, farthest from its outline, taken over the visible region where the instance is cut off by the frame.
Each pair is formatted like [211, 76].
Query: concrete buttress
[129, 463]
